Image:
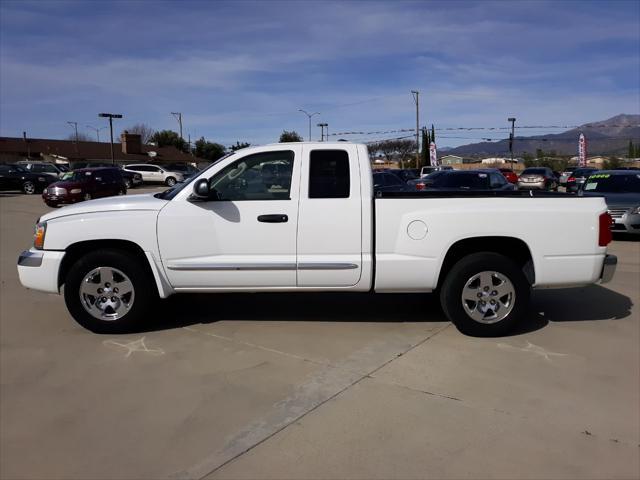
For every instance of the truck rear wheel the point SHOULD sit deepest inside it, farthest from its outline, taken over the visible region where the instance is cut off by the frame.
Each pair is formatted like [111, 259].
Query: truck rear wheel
[485, 294]
[107, 291]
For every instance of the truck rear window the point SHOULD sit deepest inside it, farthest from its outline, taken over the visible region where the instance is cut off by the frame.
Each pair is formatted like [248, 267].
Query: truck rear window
[329, 174]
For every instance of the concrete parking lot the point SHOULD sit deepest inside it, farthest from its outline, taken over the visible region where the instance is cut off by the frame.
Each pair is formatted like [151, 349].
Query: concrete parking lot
[318, 386]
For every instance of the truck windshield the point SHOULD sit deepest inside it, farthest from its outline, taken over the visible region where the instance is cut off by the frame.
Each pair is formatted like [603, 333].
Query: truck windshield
[178, 187]
[605, 182]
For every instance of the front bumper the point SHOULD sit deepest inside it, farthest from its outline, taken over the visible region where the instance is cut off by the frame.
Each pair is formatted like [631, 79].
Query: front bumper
[608, 268]
[627, 223]
[38, 269]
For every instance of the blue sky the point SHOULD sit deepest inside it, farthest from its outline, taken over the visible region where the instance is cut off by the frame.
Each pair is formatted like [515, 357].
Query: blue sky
[241, 70]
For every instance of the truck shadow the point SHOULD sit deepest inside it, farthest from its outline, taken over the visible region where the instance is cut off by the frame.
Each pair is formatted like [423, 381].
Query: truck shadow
[592, 303]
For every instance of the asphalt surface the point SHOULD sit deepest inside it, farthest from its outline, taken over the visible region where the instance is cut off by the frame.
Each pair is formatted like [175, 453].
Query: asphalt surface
[318, 386]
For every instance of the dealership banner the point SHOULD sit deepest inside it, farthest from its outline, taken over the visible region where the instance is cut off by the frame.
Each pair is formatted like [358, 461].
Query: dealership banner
[433, 155]
[582, 151]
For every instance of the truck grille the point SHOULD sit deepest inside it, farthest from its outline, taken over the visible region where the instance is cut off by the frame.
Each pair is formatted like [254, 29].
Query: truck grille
[617, 212]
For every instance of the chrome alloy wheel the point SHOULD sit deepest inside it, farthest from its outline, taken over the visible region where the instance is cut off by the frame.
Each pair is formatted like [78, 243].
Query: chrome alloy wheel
[106, 293]
[488, 297]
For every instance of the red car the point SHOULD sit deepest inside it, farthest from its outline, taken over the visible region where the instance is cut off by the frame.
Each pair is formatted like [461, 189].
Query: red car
[510, 175]
[84, 184]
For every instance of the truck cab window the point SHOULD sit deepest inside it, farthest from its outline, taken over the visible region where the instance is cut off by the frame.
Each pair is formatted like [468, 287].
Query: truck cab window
[263, 176]
[329, 174]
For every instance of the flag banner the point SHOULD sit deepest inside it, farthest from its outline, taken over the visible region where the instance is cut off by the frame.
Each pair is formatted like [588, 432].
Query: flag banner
[582, 151]
[433, 155]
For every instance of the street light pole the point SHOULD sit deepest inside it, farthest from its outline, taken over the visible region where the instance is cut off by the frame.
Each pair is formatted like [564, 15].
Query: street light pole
[178, 116]
[111, 116]
[97, 130]
[309, 115]
[415, 94]
[511, 137]
[322, 125]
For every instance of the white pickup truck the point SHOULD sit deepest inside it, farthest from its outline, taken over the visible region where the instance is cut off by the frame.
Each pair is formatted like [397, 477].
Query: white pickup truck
[294, 217]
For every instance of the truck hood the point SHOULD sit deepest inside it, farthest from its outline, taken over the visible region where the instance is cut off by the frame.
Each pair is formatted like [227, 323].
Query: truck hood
[123, 202]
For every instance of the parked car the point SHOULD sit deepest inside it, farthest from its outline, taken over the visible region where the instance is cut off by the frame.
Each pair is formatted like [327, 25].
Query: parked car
[424, 171]
[15, 177]
[577, 179]
[471, 180]
[406, 174]
[537, 178]
[187, 170]
[156, 174]
[621, 191]
[510, 175]
[131, 179]
[565, 174]
[85, 184]
[328, 231]
[43, 168]
[389, 182]
[425, 182]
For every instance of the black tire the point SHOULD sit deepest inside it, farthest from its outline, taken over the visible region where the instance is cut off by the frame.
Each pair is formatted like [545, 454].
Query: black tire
[87, 196]
[127, 183]
[464, 270]
[170, 181]
[128, 264]
[29, 188]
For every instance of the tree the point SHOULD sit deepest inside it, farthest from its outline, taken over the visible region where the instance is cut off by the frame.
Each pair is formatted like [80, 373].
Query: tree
[82, 137]
[239, 145]
[291, 136]
[386, 148]
[142, 129]
[167, 138]
[612, 163]
[209, 150]
[433, 134]
[424, 155]
[632, 151]
[404, 148]
[539, 153]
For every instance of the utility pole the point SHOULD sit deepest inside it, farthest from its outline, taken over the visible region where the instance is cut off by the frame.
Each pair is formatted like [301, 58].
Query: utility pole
[97, 130]
[178, 116]
[511, 137]
[24, 136]
[322, 125]
[75, 125]
[309, 115]
[111, 116]
[415, 94]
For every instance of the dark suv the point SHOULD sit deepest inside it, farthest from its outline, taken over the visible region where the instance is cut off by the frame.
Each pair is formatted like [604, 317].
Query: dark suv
[14, 177]
[85, 184]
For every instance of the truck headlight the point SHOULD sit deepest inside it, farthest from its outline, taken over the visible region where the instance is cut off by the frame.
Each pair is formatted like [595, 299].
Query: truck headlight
[38, 236]
[76, 190]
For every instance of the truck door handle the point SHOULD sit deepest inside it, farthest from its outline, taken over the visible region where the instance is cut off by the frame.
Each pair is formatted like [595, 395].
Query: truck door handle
[276, 218]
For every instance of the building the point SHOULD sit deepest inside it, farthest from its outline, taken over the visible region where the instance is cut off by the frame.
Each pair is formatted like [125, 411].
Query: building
[451, 160]
[130, 150]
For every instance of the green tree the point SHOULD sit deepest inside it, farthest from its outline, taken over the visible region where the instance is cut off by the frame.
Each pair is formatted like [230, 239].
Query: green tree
[209, 150]
[611, 163]
[424, 154]
[632, 151]
[433, 134]
[539, 153]
[239, 145]
[291, 136]
[168, 138]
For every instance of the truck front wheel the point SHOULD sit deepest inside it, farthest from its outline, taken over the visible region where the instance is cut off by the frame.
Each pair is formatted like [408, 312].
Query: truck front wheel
[108, 291]
[485, 294]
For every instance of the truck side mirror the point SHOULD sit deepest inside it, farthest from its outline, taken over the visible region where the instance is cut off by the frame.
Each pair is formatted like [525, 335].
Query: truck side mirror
[201, 189]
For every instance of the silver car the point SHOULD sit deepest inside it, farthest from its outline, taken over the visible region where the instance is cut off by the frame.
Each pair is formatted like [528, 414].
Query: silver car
[621, 191]
[537, 178]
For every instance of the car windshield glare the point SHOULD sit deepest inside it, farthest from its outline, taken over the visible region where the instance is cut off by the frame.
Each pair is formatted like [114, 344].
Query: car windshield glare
[464, 180]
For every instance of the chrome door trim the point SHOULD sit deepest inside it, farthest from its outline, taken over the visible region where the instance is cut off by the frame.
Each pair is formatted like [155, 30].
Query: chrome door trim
[231, 266]
[326, 266]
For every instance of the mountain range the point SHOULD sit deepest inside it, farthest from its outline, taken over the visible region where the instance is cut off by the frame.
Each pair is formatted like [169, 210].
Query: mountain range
[606, 137]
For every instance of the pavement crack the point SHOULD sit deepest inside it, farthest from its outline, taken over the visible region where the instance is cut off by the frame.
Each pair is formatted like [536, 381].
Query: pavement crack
[291, 410]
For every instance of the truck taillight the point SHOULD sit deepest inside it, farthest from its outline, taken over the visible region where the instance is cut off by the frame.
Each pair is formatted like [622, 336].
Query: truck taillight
[420, 186]
[571, 179]
[605, 236]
